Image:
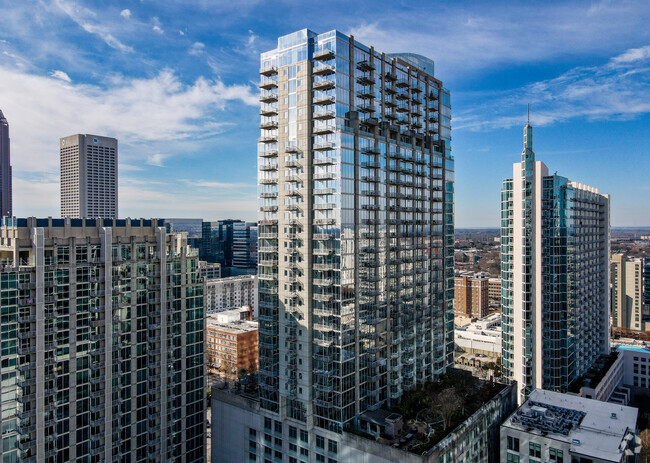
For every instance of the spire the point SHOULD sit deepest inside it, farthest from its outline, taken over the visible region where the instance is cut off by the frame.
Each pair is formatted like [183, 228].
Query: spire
[2, 116]
[528, 154]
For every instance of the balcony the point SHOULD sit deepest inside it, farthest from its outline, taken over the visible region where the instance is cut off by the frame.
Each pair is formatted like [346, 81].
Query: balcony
[325, 176]
[269, 70]
[371, 178]
[268, 139]
[269, 195]
[323, 99]
[269, 125]
[324, 221]
[366, 108]
[324, 146]
[325, 84]
[268, 110]
[268, 166]
[324, 206]
[268, 181]
[323, 129]
[323, 69]
[365, 66]
[268, 97]
[366, 92]
[402, 83]
[267, 83]
[323, 114]
[268, 153]
[324, 267]
[323, 55]
[365, 80]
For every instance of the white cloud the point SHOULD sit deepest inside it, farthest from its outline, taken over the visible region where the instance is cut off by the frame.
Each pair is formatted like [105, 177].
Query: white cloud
[619, 89]
[156, 25]
[126, 13]
[197, 49]
[149, 115]
[156, 159]
[61, 76]
[181, 33]
[80, 16]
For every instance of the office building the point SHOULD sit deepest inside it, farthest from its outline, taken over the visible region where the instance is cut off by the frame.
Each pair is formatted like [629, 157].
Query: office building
[231, 344]
[209, 271]
[231, 292]
[555, 427]
[629, 293]
[244, 247]
[6, 201]
[555, 276]
[481, 337]
[103, 354]
[355, 238]
[88, 176]
[471, 296]
[193, 227]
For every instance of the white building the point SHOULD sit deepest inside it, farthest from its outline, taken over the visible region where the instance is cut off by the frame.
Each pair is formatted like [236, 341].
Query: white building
[554, 275]
[229, 293]
[562, 428]
[88, 176]
[481, 337]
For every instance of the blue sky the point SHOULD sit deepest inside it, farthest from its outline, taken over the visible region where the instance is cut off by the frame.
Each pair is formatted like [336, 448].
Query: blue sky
[175, 82]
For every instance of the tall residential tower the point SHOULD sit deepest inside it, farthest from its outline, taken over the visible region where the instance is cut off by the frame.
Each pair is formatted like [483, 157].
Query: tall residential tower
[554, 276]
[88, 176]
[356, 228]
[630, 293]
[6, 202]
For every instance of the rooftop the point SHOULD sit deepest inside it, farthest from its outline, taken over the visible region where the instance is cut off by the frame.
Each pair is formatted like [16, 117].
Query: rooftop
[595, 374]
[235, 327]
[592, 428]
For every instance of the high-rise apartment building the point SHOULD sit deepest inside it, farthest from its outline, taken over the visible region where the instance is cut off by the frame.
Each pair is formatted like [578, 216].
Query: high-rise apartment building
[231, 292]
[628, 293]
[356, 229]
[471, 296]
[88, 176]
[103, 344]
[554, 277]
[6, 201]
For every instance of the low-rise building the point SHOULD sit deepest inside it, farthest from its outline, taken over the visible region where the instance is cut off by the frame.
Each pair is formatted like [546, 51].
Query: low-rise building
[481, 336]
[232, 292]
[494, 291]
[561, 428]
[231, 345]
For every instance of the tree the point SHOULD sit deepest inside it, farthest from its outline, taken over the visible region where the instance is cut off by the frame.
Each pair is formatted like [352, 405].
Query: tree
[447, 404]
[645, 446]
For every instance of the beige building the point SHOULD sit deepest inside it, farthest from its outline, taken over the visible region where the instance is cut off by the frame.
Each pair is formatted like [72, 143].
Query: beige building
[494, 290]
[627, 293]
[471, 296]
[88, 176]
[227, 293]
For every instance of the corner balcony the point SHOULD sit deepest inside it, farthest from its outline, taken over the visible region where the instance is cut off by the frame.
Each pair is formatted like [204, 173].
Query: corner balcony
[267, 83]
[323, 69]
[323, 99]
[268, 110]
[323, 55]
[268, 153]
[268, 139]
[322, 114]
[269, 70]
[268, 181]
[326, 84]
[269, 166]
[269, 125]
[268, 97]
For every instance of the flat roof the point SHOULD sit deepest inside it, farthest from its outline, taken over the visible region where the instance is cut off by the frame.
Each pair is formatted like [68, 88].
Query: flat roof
[591, 427]
[235, 327]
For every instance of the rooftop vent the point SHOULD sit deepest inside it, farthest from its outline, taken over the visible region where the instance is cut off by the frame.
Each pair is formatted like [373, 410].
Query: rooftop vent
[613, 416]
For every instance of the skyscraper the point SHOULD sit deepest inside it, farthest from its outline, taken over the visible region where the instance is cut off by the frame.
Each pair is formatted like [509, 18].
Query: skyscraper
[244, 246]
[554, 277]
[103, 356]
[6, 202]
[629, 293]
[356, 228]
[88, 176]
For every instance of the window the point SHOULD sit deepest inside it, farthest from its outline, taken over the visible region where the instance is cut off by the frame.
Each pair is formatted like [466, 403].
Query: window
[267, 423]
[513, 458]
[535, 450]
[293, 433]
[332, 446]
[304, 452]
[556, 456]
[513, 444]
[278, 427]
[304, 436]
[320, 442]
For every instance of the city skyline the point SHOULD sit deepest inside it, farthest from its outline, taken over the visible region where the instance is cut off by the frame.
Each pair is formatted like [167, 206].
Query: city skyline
[181, 96]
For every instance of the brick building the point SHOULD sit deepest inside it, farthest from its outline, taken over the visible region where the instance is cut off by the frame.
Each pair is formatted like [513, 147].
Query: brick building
[471, 296]
[231, 344]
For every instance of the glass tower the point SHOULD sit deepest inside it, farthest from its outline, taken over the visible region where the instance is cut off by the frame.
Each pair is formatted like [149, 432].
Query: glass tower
[554, 276]
[103, 342]
[356, 228]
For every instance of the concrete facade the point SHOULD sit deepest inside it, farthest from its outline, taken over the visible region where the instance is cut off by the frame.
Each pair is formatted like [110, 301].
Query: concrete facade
[628, 293]
[89, 176]
[232, 292]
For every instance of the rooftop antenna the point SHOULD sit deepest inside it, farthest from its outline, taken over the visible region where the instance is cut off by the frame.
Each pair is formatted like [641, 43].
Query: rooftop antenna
[528, 113]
